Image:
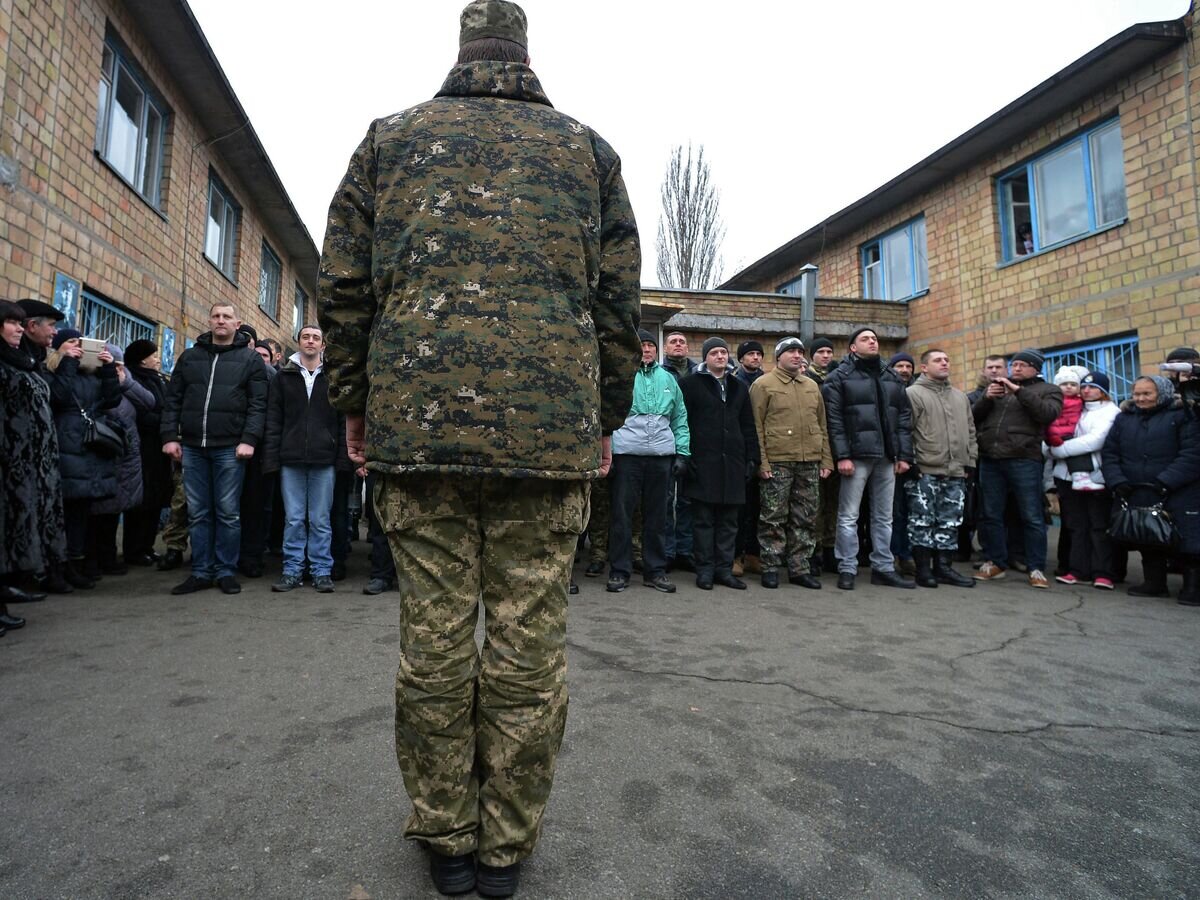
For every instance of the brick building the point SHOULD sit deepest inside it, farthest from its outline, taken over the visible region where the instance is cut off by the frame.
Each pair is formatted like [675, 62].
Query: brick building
[1096, 169]
[133, 189]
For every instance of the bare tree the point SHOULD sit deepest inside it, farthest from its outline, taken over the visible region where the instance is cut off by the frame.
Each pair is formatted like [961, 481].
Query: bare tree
[690, 230]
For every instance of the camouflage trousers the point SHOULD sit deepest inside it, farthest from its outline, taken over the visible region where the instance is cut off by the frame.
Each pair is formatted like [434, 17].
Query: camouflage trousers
[175, 534]
[935, 510]
[787, 517]
[478, 732]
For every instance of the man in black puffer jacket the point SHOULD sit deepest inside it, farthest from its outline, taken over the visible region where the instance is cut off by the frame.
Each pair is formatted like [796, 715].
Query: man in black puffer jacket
[213, 419]
[305, 437]
[870, 433]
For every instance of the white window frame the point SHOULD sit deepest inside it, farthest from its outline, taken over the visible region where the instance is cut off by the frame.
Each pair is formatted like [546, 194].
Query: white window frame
[141, 164]
[270, 282]
[221, 228]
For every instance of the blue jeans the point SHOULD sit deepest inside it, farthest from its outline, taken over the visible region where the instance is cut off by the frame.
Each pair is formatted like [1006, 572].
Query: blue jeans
[212, 480]
[1023, 479]
[307, 498]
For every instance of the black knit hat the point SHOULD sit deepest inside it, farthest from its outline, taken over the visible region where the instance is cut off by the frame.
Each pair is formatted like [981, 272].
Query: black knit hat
[901, 357]
[713, 343]
[1182, 354]
[1031, 356]
[748, 347]
[646, 337]
[138, 351]
[857, 331]
[821, 343]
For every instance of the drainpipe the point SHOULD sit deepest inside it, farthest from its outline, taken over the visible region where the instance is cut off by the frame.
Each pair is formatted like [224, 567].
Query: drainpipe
[808, 303]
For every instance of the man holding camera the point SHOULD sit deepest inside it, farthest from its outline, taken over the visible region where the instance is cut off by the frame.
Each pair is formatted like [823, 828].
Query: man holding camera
[1010, 419]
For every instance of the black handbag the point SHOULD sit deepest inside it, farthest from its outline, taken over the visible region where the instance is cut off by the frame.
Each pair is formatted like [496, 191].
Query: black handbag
[105, 439]
[1148, 526]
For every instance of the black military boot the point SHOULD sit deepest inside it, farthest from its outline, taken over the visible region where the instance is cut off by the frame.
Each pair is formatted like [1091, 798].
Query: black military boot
[944, 572]
[922, 556]
[1190, 595]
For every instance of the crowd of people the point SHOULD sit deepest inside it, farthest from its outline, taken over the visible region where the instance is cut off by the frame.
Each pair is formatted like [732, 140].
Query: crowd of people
[722, 468]
[237, 452]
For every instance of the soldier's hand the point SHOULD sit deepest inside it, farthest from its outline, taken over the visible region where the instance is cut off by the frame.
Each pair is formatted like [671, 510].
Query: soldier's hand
[902, 467]
[244, 451]
[764, 473]
[846, 467]
[825, 473]
[356, 439]
[605, 456]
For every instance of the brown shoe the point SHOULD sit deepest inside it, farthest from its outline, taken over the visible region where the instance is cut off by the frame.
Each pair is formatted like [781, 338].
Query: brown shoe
[1037, 579]
[738, 569]
[989, 571]
[752, 564]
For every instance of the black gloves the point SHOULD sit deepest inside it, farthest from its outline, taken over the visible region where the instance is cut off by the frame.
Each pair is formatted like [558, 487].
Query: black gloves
[751, 470]
[679, 467]
[1124, 490]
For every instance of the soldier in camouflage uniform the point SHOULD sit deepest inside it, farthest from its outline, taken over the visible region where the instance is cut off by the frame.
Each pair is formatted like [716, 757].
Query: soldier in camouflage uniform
[789, 416]
[944, 445]
[821, 353]
[479, 291]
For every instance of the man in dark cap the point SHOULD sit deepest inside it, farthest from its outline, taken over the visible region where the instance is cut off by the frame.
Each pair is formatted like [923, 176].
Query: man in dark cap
[40, 324]
[1010, 419]
[749, 370]
[463, 227]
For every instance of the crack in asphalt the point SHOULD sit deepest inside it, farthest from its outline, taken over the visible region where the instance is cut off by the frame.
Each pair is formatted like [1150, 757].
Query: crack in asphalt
[613, 662]
[1003, 645]
[1062, 614]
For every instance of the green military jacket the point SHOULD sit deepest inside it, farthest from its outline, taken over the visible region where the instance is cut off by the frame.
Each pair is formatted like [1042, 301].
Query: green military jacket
[479, 285]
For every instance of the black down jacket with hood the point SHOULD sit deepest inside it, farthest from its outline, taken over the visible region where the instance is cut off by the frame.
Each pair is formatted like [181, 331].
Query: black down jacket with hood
[867, 409]
[217, 396]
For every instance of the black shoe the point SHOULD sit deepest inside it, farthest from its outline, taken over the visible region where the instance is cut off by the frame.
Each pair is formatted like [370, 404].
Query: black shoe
[452, 874]
[806, 581]
[769, 580]
[251, 568]
[229, 585]
[141, 559]
[324, 584]
[287, 583]
[923, 558]
[54, 583]
[11, 623]
[574, 588]
[594, 569]
[616, 584]
[814, 565]
[660, 583]
[172, 559]
[191, 585]
[845, 581]
[379, 586]
[497, 881]
[338, 573]
[16, 595]
[730, 581]
[76, 578]
[944, 572]
[704, 582]
[892, 579]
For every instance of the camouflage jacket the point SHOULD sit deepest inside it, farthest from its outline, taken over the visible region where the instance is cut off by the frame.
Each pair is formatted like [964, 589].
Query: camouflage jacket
[479, 286]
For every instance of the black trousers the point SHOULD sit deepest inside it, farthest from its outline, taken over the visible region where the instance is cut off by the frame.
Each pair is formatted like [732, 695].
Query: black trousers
[102, 538]
[714, 535]
[747, 535]
[339, 515]
[75, 514]
[257, 492]
[1086, 516]
[382, 564]
[141, 528]
[646, 479]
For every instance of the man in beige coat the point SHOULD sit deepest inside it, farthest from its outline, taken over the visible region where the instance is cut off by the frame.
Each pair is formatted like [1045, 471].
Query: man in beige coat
[944, 445]
[789, 416]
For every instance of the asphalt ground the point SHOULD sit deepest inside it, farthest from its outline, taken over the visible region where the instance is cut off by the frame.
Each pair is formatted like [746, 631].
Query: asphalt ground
[995, 742]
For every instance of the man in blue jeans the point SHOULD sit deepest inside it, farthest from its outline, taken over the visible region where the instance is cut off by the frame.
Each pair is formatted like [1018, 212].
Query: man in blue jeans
[1010, 419]
[213, 418]
[303, 442]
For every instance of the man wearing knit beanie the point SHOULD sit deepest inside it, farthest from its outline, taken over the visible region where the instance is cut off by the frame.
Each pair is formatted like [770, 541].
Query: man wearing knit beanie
[870, 432]
[1010, 419]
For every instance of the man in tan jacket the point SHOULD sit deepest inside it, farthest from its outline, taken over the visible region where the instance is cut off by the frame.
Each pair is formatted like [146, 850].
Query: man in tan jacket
[944, 445]
[789, 416]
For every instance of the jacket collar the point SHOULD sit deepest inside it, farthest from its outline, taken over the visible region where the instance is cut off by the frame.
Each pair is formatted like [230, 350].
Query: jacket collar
[784, 376]
[502, 80]
[240, 339]
[932, 383]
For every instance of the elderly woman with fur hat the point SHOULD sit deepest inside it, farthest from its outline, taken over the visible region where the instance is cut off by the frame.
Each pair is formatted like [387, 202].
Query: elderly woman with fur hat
[1152, 455]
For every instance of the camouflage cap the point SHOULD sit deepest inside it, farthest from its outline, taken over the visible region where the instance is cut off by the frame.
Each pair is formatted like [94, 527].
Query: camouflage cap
[493, 19]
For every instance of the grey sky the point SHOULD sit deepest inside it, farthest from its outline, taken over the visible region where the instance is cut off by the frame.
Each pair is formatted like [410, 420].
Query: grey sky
[802, 107]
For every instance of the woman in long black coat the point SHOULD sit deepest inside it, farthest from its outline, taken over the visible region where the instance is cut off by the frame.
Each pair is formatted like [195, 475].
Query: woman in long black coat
[724, 454]
[1152, 455]
[141, 522]
[86, 476]
[31, 518]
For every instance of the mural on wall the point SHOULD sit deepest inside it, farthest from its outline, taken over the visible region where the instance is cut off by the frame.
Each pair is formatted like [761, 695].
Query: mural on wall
[66, 298]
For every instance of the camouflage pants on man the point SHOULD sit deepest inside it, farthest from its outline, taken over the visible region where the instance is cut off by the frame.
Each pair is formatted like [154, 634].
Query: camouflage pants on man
[935, 510]
[789, 500]
[477, 735]
[175, 533]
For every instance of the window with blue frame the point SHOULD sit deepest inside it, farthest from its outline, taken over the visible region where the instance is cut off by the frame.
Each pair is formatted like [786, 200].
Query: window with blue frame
[1075, 189]
[895, 266]
[270, 282]
[103, 319]
[132, 123]
[1116, 357]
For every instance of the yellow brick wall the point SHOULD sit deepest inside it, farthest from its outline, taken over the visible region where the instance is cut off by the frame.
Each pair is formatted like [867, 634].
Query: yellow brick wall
[1142, 276]
[70, 213]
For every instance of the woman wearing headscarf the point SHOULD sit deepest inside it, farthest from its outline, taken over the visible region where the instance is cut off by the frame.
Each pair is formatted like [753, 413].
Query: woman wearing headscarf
[1084, 497]
[75, 397]
[141, 523]
[1152, 455]
[31, 517]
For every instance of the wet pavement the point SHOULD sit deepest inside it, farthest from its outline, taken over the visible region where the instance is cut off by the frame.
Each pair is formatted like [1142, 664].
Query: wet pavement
[995, 742]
